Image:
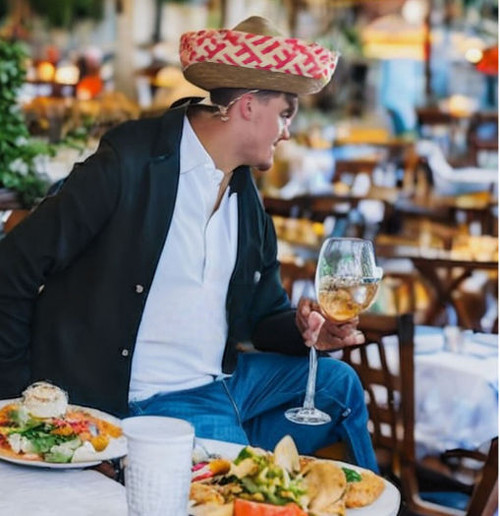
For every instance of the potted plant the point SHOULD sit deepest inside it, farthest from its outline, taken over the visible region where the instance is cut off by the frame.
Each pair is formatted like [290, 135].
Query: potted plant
[20, 154]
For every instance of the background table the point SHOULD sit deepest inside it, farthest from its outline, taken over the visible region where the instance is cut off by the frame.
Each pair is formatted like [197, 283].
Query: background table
[456, 392]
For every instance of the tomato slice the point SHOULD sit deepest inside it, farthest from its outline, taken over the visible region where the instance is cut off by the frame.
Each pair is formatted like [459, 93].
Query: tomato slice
[248, 508]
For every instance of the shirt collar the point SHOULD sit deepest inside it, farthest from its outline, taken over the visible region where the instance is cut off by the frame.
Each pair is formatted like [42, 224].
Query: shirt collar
[193, 154]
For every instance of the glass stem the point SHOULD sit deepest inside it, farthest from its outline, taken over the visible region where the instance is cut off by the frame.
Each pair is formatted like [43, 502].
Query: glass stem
[311, 379]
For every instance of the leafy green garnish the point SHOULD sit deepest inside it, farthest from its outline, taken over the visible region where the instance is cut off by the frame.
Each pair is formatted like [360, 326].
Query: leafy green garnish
[62, 452]
[40, 437]
[270, 480]
[351, 475]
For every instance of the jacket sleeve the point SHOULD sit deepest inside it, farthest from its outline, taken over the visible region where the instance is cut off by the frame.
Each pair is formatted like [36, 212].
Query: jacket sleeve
[274, 320]
[44, 243]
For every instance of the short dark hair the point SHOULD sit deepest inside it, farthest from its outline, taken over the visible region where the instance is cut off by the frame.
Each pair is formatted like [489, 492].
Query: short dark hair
[223, 96]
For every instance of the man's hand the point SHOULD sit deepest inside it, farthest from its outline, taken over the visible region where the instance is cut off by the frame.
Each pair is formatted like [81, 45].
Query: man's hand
[323, 334]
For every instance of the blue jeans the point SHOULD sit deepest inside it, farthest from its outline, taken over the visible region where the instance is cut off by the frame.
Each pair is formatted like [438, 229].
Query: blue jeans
[249, 406]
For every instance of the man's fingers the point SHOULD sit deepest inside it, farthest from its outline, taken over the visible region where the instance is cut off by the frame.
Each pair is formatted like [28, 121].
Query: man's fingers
[315, 321]
[328, 342]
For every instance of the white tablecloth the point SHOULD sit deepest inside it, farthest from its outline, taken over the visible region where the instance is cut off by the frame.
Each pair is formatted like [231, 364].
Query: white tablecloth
[456, 393]
[26, 490]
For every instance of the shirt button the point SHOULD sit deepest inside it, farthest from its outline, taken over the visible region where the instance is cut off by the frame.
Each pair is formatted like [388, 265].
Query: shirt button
[125, 352]
[139, 289]
[256, 277]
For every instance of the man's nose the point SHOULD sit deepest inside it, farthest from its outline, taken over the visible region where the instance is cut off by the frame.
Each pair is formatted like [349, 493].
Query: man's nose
[285, 132]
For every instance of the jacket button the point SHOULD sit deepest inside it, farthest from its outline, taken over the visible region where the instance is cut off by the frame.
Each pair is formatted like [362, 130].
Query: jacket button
[256, 276]
[125, 352]
[139, 289]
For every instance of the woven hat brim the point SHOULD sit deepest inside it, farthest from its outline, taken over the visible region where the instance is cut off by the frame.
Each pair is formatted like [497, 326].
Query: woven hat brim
[210, 76]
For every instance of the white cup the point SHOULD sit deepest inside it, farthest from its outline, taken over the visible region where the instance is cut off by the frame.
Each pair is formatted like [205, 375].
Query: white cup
[158, 466]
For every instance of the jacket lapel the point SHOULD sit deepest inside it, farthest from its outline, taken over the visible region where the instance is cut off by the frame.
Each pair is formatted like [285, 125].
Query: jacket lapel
[162, 183]
[249, 228]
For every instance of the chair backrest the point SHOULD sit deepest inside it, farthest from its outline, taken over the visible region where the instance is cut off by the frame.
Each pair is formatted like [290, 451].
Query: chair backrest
[284, 207]
[353, 167]
[291, 272]
[387, 376]
[432, 116]
[484, 501]
[385, 365]
[321, 206]
[483, 134]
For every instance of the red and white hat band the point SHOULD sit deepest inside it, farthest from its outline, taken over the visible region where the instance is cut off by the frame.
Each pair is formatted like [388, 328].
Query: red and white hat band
[254, 51]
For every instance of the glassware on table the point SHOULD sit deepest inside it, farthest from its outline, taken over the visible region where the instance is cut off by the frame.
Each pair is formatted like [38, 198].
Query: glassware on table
[347, 280]
[158, 465]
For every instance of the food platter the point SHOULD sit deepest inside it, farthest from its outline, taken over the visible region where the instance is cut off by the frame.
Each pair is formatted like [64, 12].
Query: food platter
[386, 505]
[116, 448]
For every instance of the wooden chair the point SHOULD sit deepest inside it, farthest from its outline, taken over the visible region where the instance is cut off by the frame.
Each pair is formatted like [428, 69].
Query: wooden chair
[482, 135]
[352, 167]
[484, 501]
[291, 272]
[321, 206]
[431, 116]
[348, 219]
[284, 207]
[391, 416]
[390, 400]
[437, 125]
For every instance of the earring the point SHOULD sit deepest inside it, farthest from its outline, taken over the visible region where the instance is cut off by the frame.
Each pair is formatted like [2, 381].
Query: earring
[223, 113]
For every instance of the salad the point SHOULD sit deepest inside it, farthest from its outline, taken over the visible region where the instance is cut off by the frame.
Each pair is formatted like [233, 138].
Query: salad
[28, 431]
[258, 483]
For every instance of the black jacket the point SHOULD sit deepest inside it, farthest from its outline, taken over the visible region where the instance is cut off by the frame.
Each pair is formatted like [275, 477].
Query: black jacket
[75, 275]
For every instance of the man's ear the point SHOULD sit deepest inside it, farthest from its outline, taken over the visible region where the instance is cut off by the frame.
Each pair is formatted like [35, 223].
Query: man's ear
[246, 106]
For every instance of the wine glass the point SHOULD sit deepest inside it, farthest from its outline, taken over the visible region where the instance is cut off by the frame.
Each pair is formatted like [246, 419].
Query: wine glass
[346, 283]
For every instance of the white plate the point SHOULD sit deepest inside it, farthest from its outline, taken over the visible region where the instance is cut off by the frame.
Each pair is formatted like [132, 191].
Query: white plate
[386, 505]
[116, 447]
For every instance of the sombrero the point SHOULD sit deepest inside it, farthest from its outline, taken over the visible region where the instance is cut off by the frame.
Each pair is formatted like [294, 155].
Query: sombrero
[255, 55]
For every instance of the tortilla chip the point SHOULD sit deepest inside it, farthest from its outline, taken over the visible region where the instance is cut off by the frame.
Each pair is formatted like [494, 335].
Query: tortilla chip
[286, 455]
[205, 493]
[325, 483]
[212, 509]
[246, 467]
[364, 492]
[335, 509]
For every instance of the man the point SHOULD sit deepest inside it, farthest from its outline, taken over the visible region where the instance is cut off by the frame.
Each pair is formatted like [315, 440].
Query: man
[131, 287]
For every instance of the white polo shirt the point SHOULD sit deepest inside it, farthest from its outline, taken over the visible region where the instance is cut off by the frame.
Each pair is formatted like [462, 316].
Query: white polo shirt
[183, 330]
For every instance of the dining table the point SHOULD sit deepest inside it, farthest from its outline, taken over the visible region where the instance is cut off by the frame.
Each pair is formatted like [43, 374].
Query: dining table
[475, 208]
[443, 270]
[44, 491]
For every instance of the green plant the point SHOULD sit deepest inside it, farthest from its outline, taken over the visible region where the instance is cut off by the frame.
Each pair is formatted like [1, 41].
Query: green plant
[19, 153]
[64, 13]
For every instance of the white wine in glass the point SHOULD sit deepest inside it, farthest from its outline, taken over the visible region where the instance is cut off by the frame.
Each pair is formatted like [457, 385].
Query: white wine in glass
[342, 299]
[347, 278]
[346, 283]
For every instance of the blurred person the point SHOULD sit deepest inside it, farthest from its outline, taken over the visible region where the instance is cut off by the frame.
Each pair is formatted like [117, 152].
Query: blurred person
[132, 286]
[90, 84]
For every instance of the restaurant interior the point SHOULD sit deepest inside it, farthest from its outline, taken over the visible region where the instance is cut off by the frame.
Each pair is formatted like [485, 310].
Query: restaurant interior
[400, 148]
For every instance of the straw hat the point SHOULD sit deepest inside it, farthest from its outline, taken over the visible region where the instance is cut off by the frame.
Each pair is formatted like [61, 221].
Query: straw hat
[255, 55]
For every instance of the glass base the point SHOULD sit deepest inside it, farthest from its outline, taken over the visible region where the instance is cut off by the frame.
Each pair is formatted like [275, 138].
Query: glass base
[307, 416]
